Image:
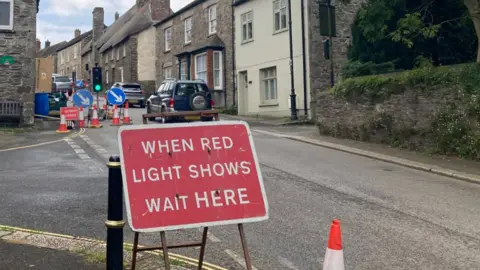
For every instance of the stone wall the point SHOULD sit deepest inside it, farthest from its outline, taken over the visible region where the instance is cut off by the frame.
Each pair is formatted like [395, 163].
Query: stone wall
[17, 81]
[319, 66]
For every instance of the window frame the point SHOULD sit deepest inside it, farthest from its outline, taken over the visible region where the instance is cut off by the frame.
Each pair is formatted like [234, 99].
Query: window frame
[106, 76]
[279, 11]
[212, 22]
[184, 70]
[118, 53]
[121, 73]
[186, 30]
[165, 72]
[219, 86]
[8, 27]
[75, 51]
[265, 80]
[206, 66]
[167, 41]
[245, 23]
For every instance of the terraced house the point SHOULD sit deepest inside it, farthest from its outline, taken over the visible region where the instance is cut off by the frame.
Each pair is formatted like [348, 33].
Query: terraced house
[51, 50]
[196, 42]
[69, 55]
[126, 49]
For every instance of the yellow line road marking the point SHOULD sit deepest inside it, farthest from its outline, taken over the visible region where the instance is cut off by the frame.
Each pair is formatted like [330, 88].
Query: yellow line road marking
[44, 143]
[178, 257]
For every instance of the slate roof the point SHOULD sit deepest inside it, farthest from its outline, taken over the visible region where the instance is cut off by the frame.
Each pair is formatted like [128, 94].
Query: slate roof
[75, 40]
[45, 52]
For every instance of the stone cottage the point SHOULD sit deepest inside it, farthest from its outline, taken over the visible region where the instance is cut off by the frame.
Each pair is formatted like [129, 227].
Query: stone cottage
[196, 43]
[127, 47]
[17, 54]
[69, 55]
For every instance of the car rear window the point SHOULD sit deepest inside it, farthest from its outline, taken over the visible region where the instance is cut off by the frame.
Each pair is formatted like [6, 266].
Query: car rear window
[131, 86]
[186, 89]
[62, 79]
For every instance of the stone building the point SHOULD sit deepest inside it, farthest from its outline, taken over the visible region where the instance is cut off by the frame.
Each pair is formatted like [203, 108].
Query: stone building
[98, 28]
[51, 50]
[319, 66]
[196, 43]
[17, 54]
[69, 55]
[126, 49]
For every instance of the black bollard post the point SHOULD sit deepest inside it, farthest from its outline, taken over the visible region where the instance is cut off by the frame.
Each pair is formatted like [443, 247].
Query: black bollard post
[115, 222]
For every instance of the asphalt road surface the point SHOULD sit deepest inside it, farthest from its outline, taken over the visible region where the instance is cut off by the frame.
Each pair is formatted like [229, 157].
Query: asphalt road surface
[391, 217]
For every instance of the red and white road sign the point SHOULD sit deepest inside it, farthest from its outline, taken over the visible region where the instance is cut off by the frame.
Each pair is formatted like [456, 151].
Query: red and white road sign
[179, 176]
[70, 113]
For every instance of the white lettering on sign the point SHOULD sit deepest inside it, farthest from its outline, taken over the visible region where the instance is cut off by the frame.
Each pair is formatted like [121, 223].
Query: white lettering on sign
[219, 169]
[165, 204]
[220, 198]
[216, 143]
[167, 146]
[156, 174]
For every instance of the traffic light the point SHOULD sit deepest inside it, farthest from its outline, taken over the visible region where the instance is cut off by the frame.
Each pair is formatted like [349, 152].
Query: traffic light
[97, 79]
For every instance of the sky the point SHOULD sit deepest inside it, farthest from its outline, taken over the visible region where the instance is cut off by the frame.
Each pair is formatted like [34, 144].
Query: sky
[58, 19]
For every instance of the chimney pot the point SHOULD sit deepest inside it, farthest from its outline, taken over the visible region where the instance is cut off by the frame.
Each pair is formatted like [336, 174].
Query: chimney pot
[117, 16]
[77, 32]
[39, 45]
[47, 44]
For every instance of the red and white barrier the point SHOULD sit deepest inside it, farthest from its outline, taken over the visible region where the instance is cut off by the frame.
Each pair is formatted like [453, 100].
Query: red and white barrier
[334, 254]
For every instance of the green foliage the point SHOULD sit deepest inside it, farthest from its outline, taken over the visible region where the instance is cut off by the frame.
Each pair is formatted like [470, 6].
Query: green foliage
[357, 68]
[400, 31]
[454, 129]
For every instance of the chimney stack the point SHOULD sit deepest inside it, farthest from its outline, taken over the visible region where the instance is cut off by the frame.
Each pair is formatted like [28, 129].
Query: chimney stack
[160, 9]
[39, 45]
[47, 44]
[98, 25]
[117, 16]
[77, 32]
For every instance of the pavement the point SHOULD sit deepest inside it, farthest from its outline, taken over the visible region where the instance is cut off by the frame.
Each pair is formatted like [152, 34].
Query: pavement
[392, 216]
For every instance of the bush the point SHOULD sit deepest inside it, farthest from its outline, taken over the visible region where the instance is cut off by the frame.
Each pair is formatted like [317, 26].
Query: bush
[357, 68]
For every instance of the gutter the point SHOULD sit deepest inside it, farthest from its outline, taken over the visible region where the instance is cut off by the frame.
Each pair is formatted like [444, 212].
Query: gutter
[304, 59]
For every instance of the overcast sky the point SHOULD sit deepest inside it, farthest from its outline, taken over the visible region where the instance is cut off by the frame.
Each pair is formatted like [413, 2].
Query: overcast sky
[57, 19]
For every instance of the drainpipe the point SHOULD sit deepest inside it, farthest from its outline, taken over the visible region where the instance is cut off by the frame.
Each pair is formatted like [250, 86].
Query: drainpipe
[293, 97]
[234, 84]
[304, 60]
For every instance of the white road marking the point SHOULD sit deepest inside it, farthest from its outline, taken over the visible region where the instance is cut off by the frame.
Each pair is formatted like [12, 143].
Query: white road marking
[287, 263]
[239, 259]
[97, 148]
[211, 237]
[83, 156]
[78, 150]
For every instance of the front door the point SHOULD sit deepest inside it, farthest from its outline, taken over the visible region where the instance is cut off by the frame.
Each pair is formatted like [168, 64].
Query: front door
[243, 93]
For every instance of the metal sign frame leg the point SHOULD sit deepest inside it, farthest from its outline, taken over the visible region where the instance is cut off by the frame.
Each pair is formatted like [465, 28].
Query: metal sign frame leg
[248, 261]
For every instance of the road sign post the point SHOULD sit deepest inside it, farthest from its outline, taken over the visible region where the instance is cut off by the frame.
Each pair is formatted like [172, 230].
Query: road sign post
[179, 176]
[116, 96]
[115, 222]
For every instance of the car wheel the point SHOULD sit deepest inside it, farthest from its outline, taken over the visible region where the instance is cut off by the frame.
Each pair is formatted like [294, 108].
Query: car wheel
[149, 110]
[163, 119]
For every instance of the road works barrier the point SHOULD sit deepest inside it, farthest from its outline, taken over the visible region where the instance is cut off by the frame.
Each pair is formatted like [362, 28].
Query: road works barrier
[334, 254]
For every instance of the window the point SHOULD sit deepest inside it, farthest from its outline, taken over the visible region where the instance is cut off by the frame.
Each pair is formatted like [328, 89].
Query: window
[269, 83]
[68, 54]
[212, 19]
[167, 72]
[124, 50]
[183, 70]
[118, 55]
[6, 14]
[280, 14]
[111, 54]
[247, 26]
[75, 52]
[106, 76]
[168, 38]
[201, 67]
[121, 73]
[61, 57]
[188, 30]
[217, 70]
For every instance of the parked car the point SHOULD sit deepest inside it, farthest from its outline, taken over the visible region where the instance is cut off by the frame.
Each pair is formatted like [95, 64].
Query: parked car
[181, 95]
[134, 94]
[61, 84]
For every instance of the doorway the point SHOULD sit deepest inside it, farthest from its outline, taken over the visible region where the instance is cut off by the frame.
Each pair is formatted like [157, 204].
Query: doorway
[243, 93]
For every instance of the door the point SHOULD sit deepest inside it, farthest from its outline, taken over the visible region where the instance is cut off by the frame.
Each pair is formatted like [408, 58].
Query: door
[243, 93]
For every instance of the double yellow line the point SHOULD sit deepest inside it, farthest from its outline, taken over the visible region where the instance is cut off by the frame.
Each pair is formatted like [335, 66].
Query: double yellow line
[81, 131]
[178, 257]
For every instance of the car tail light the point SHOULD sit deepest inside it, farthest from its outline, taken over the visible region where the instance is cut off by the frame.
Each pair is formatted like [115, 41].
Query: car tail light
[143, 92]
[171, 103]
[212, 102]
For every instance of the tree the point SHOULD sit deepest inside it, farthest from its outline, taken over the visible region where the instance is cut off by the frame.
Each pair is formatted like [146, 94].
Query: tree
[473, 7]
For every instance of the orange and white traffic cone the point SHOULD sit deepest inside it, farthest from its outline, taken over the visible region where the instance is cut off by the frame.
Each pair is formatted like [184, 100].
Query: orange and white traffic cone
[105, 109]
[63, 125]
[116, 117]
[81, 118]
[334, 255]
[95, 123]
[126, 116]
